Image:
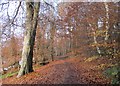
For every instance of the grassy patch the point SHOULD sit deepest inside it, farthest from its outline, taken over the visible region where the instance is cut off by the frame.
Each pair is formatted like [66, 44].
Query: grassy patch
[103, 66]
[91, 58]
[8, 75]
[113, 74]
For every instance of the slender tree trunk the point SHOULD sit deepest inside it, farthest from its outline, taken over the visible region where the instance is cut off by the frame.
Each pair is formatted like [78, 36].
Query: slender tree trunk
[1, 67]
[39, 49]
[95, 41]
[106, 20]
[52, 31]
[31, 25]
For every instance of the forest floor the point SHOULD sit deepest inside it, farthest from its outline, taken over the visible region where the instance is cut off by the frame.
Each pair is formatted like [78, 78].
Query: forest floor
[77, 70]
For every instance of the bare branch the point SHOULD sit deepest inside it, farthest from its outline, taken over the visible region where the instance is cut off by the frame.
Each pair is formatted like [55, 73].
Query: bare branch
[4, 3]
[49, 4]
[11, 21]
[16, 13]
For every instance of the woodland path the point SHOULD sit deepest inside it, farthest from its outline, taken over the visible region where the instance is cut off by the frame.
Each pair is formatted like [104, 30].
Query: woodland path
[68, 71]
[64, 73]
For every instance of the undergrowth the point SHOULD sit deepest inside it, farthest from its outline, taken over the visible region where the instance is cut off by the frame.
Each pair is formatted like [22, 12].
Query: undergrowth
[8, 75]
[113, 74]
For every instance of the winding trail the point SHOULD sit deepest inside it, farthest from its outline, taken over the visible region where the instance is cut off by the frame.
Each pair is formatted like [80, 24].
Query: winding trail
[64, 73]
[68, 71]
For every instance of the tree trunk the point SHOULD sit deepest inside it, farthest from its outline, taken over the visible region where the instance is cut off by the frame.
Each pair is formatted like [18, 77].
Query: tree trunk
[106, 21]
[52, 32]
[1, 67]
[95, 40]
[32, 10]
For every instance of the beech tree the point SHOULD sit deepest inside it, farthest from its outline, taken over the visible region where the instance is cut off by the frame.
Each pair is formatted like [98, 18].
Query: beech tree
[32, 10]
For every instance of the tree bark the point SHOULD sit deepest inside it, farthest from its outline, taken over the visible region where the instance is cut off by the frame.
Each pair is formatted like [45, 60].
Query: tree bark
[32, 10]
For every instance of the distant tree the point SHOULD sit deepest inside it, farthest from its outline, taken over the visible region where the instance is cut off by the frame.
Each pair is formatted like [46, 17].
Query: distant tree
[106, 20]
[52, 34]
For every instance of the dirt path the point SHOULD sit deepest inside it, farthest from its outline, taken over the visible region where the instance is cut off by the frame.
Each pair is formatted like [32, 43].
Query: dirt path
[70, 74]
[69, 71]
[64, 73]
